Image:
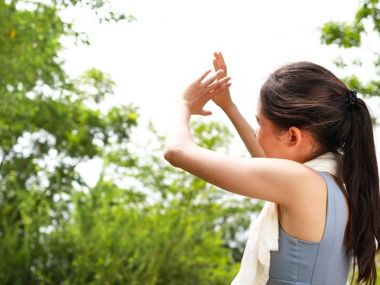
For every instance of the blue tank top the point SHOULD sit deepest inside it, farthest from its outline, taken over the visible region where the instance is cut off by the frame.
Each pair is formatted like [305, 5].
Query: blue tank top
[299, 262]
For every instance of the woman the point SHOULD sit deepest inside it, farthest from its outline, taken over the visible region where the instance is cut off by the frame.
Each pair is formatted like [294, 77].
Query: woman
[303, 111]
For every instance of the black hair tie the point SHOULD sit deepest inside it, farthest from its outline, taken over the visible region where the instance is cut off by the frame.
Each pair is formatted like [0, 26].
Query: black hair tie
[351, 98]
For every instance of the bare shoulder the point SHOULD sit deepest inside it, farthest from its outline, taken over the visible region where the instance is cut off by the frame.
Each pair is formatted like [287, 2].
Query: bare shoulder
[297, 182]
[304, 217]
[310, 189]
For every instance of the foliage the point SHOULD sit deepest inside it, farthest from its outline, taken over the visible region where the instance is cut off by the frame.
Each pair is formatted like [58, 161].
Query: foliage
[46, 130]
[364, 30]
[111, 240]
[115, 234]
[144, 222]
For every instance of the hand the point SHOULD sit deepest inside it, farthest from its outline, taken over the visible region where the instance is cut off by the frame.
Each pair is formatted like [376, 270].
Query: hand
[223, 100]
[200, 92]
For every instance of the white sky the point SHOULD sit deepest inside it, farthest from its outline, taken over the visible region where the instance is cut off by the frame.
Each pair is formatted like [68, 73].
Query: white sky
[172, 42]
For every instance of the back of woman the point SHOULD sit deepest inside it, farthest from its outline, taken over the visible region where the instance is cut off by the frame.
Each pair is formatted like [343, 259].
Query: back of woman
[325, 262]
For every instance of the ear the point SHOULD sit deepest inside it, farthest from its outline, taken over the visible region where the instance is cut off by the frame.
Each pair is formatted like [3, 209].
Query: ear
[294, 136]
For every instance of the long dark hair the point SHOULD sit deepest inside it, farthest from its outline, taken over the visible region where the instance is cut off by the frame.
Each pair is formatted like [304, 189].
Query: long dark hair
[308, 96]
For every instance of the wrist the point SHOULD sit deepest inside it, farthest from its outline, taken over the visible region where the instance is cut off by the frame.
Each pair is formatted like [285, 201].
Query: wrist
[182, 104]
[229, 108]
[182, 109]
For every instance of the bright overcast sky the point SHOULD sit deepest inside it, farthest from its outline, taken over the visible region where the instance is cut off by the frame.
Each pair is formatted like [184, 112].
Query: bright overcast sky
[172, 42]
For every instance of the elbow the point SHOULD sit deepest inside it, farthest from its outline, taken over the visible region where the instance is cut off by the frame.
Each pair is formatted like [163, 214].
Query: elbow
[171, 155]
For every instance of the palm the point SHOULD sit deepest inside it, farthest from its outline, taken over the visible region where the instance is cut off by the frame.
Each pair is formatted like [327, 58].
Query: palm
[223, 99]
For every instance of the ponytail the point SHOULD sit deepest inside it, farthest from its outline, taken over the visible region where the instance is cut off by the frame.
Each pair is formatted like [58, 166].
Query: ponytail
[310, 97]
[361, 177]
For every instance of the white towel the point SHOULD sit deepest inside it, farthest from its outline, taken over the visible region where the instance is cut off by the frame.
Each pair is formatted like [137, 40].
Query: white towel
[263, 237]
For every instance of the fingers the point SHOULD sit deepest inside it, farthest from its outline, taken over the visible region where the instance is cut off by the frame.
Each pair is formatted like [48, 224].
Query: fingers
[212, 88]
[207, 96]
[222, 59]
[204, 75]
[206, 113]
[219, 62]
[213, 83]
[204, 89]
[216, 65]
[217, 74]
[217, 68]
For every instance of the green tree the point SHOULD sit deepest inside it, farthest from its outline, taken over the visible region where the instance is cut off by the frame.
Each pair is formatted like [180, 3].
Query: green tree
[363, 30]
[163, 227]
[46, 129]
[144, 222]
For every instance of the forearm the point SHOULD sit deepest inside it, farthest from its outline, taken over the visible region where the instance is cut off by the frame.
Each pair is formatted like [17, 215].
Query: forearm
[245, 131]
[179, 139]
[178, 135]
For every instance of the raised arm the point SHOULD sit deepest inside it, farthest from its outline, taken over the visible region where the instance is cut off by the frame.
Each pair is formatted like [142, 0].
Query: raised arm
[277, 180]
[224, 101]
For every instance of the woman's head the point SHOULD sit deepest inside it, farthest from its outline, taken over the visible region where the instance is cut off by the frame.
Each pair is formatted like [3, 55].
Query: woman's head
[309, 97]
[292, 143]
[306, 99]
